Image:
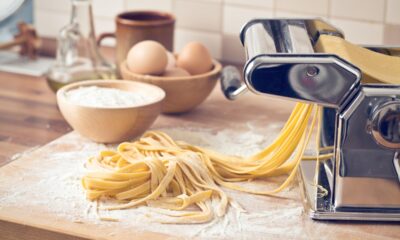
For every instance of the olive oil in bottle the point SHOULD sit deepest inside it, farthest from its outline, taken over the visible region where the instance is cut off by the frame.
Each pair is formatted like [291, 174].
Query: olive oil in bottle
[78, 57]
[56, 82]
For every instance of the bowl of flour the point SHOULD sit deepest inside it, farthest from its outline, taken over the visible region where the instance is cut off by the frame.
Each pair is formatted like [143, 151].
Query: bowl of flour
[110, 111]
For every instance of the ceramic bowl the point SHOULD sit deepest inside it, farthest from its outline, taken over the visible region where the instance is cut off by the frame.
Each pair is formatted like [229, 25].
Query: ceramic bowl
[112, 124]
[182, 93]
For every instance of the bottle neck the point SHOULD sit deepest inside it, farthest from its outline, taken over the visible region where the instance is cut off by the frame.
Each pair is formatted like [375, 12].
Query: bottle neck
[77, 42]
[82, 16]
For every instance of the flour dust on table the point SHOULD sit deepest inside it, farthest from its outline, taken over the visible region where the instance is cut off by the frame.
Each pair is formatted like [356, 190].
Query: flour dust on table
[54, 185]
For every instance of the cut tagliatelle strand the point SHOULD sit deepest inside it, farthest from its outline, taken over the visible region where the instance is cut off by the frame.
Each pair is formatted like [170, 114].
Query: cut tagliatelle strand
[174, 175]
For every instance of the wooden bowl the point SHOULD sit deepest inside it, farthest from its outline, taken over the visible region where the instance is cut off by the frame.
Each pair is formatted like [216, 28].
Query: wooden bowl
[111, 124]
[182, 93]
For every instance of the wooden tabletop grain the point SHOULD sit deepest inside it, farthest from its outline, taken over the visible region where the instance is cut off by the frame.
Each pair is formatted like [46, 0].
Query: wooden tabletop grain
[29, 116]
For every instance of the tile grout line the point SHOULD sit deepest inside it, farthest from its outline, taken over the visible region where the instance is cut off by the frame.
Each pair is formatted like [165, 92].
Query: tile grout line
[252, 7]
[125, 5]
[385, 8]
[202, 31]
[173, 6]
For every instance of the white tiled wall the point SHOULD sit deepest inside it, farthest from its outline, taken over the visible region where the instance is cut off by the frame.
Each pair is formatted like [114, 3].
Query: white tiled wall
[51, 5]
[364, 32]
[368, 10]
[212, 40]
[314, 7]
[159, 5]
[253, 3]
[217, 23]
[107, 9]
[234, 17]
[393, 11]
[46, 27]
[207, 15]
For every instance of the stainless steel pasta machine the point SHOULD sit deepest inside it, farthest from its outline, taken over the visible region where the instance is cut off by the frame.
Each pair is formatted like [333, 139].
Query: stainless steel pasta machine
[360, 122]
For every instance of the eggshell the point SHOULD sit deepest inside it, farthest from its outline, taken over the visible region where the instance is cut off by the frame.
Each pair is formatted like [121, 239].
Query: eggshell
[171, 60]
[195, 58]
[176, 72]
[147, 57]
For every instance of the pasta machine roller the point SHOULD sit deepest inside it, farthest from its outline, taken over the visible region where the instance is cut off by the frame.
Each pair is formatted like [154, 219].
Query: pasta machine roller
[360, 121]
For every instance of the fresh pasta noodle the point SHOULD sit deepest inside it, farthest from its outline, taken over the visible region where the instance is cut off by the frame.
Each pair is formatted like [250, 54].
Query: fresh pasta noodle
[173, 176]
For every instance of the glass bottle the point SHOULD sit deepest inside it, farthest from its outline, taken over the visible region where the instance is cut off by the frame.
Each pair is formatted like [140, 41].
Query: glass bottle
[78, 57]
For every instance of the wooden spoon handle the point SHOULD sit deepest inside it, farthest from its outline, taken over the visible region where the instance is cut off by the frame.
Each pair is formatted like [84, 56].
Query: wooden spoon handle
[15, 42]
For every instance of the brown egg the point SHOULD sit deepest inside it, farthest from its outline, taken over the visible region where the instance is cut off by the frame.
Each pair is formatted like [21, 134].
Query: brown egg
[195, 58]
[176, 72]
[147, 57]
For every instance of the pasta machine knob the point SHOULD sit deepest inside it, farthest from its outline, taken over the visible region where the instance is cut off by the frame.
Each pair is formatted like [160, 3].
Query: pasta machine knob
[385, 124]
[231, 83]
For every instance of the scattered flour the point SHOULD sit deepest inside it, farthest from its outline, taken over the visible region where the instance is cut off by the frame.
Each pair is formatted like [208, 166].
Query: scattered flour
[54, 187]
[94, 96]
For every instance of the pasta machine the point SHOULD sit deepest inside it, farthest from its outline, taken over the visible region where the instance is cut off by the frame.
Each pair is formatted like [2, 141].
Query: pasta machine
[360, 121]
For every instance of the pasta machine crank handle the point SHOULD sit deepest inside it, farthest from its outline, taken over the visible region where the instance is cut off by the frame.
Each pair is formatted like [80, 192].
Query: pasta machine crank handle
[231, 84]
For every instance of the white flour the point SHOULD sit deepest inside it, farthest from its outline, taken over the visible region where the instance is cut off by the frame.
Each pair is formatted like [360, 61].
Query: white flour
[55, 187]
[94, 96]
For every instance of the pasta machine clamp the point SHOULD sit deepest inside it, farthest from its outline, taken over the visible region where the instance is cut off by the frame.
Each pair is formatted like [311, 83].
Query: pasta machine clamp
[360, 121]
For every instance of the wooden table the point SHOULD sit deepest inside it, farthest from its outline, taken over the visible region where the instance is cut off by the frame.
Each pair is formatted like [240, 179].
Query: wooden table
[29, 117]
[28, 110]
